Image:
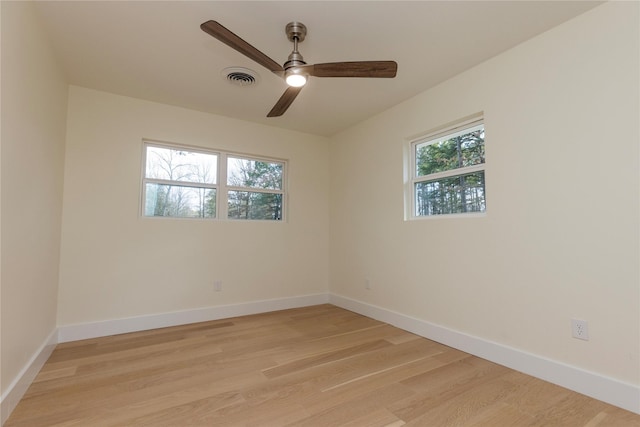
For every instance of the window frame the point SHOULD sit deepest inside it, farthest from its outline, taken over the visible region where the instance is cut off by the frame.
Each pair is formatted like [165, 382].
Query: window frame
[412, 178]
[221, 187]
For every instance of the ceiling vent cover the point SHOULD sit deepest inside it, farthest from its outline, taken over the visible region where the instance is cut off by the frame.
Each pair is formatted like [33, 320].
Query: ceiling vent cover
[239, 76]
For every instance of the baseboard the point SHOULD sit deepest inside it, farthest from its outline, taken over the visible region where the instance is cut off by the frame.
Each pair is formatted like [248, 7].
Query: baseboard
[612, 391]
[21, 383]
[141, 323]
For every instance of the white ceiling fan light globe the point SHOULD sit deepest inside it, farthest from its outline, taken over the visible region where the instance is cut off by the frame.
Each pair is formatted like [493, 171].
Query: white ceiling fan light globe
[295, 77]
[296, 80]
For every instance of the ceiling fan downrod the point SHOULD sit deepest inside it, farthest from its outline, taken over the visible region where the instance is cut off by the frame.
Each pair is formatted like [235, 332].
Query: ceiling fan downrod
[296, 32]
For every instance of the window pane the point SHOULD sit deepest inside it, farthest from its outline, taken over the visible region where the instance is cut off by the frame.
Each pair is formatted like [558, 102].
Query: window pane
[457, 194]
[253, 205]
[455, 152]
[254, 173]
[178, 201]
[179, 165]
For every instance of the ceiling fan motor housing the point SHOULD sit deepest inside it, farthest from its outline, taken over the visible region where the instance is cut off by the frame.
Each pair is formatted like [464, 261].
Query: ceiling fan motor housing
[296, 30]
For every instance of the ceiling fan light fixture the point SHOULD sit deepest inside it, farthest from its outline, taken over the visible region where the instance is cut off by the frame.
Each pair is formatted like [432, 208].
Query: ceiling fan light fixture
[295, 78]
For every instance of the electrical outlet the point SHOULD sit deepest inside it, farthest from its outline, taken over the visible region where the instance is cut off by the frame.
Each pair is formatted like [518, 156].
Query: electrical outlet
[580, 329]
[217, 285]
[367, 284]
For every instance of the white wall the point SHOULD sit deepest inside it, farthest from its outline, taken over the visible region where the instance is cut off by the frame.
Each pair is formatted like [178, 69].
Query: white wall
[115, 264]
[34, 96]
[560, 239]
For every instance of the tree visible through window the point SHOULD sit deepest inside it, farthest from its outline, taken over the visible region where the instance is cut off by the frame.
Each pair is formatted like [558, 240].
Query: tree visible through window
[449, 173]
[185, 183]
[255, 189]
[180, 183]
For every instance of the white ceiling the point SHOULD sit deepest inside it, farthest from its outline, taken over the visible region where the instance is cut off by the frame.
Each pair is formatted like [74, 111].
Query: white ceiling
[156, 50]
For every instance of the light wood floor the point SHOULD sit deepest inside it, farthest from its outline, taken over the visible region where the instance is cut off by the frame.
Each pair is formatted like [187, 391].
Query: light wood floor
[314, 366]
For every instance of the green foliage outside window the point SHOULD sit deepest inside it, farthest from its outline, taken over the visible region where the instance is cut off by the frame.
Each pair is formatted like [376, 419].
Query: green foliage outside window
[451, 193]
[259, 175]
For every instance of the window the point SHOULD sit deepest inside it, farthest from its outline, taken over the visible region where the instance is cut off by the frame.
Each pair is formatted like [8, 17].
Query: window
[447, 172]
[180, 183]
[254, 188]
[183, 182]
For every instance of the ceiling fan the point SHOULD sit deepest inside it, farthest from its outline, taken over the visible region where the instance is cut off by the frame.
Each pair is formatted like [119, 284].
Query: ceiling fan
[295, 71]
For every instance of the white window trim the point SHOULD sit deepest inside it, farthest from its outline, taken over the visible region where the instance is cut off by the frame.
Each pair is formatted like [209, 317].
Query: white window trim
[411, 178]
[220, 186]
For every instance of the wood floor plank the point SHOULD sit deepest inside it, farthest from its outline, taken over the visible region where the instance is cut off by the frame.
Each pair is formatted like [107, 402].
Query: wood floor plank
[311, 366]
[323, 358]
[378, 418]
[500, 414]
[314, 346]
[52, 374]
[335, 396]
[335, 373]
[358, 407]
[463, 408]
[93, 370]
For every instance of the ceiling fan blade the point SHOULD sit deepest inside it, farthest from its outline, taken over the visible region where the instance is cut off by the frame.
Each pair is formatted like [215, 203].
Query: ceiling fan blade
[382, 69]
[285, 101]
[221, 33]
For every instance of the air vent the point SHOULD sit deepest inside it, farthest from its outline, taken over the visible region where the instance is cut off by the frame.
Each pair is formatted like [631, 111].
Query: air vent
[239, 76]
